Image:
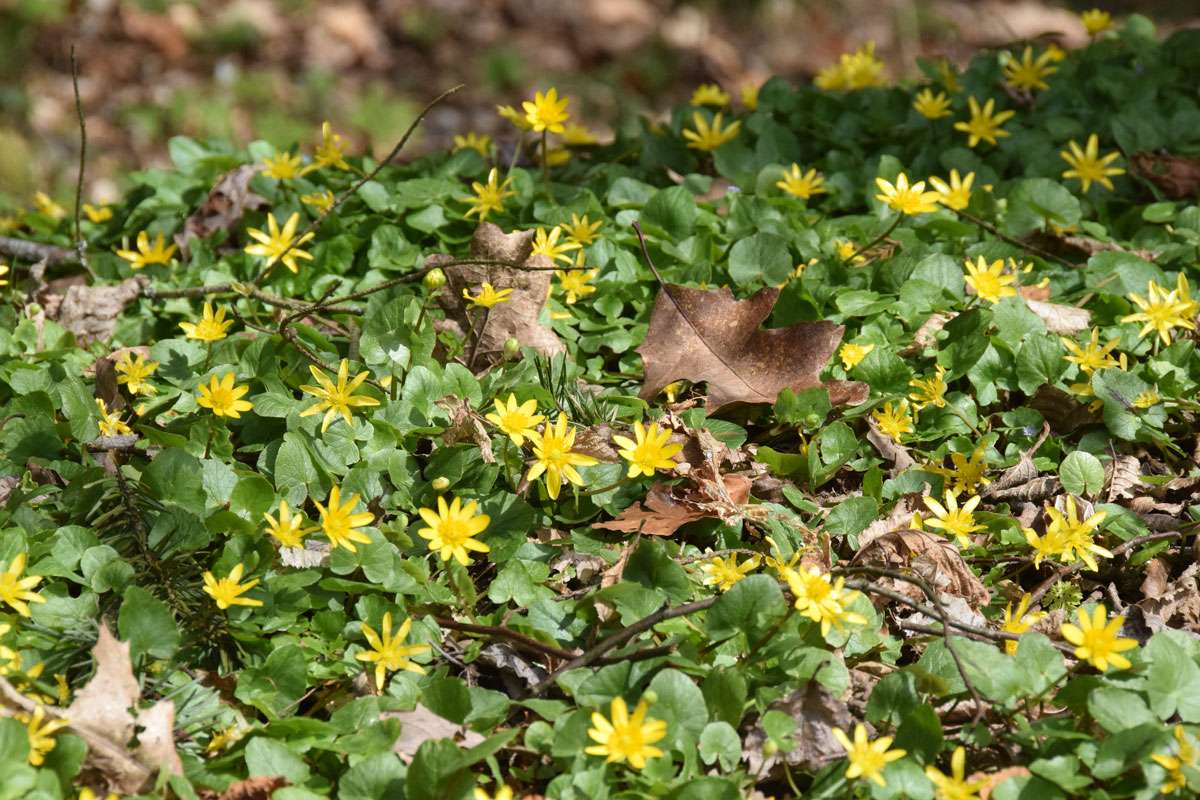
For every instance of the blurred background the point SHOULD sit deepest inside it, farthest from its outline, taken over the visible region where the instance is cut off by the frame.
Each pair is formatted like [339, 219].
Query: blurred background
[275, 69]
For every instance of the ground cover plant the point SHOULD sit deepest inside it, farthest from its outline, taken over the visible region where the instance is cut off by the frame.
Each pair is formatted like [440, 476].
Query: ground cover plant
[829, 441]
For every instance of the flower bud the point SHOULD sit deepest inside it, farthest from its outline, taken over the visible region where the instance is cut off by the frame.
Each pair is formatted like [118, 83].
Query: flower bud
[769, 748]
[650, 696]
[812, 420]
[440, 483]
[512, 348]
[434, 279]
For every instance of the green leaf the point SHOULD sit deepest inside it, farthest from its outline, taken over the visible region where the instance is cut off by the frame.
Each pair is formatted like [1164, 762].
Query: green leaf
[852, 515]
[761, 258]
[680, 703]
[719, 742]
[670, 213]
[376, 777]
[1081, 473]
[1036, 203]
[1118, 709]
[752, 606]
[725, 692]
[147, 624]
[269, 757]
[1171, 679]
[1118, 389]
[176, 477]
[275, 685]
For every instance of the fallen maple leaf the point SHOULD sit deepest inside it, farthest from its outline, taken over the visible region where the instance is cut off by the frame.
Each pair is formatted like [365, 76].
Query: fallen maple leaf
[708, 335]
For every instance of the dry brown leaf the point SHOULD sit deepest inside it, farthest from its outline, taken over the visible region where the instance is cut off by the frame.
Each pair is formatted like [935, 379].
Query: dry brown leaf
[926, 335]
[1062, 410]
[420, 725]
[1122, 475]
[518, 317]
[708, 335]
[90, 312]
[666, 511]
[313, 554]
[991, 780]
[1036, 292]
[223, 209]
[1020, 473]
[899, 518]
[156, 738]
[1059, 318]
[1154, 585]
[931, 557]
[889, 449]
[817, 713]
[102, 706]
[1178, 606]
[1177, 176]
[256, 788]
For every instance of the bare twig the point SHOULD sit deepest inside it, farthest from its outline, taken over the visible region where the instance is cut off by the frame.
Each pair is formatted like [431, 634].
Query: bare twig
[1004, 237]
[529, 644]
[80, 244]
[35, 251]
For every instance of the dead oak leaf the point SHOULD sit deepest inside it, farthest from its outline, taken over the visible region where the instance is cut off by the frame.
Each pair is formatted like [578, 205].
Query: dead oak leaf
[666, 511]
[931, 558]
[420, 725]
[224, 207]
[709, 335]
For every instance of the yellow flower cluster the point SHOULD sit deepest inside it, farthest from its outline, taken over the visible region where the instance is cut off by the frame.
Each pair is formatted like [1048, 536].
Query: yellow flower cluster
[857, 70]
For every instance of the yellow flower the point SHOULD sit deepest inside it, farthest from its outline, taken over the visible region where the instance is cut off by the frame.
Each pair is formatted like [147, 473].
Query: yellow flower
[991, 283]
[1053, 543]
[893, 421]
[957, 194]
[10, 660]
[339, 522]
[321, 201]
[929, 391]
[955, 786]
[453, 528]
[867, 758]
[626, 738]
[288, 528]
[211, 327]
[1088, 165]
[518, 421]
[930, 105]
[1187, 757]
[967, 473]
[479, 142]
[274, 244]
[228, 591]
[17, 592]
[851, 354]
[749, 96]
[953, 520]
[489, 196]
[502, 793]
[653, 450]
[3, 271]
[708, 137]
[546, 112]
[581, 230]
[1055, 52]
[388, 650]
[1091, 356]
[575, 282]
[948, 76]
[145, 254]
[1161, 312]
[46, 205]
[546, 244]
[41, 733]
[329, 152]
[671, 390]
[904, 198]
[710, 94]
[1027, 73]
[821, 599]
[222, 739]
[97, 214]
[576, 135]
[556, 156]
[132, 371]
[283, 166]
[488, 296]
[1096, 639]
[223, 398]
[1019, 621]
[1077, 534]
[725, 572]
[337, 398]
[110, 421]
[857, 70]
[1189, 308]
[1146, 399]
[984, 124]
[553, 456]
[1096, 21]
[802, 185]
[515, 117]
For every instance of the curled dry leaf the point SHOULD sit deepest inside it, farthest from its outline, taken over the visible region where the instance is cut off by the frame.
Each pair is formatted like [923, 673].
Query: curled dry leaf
[223, 209]
[899, 518]
[926, 335]
[1178, 602]
[710, 336]
[1122, 474]
[931, 557]
[518, 317]
[667, 509]
[420, 725]
[1020, 473]
[257, 788]
[1059, 318]
[817, 713]
[889, 449]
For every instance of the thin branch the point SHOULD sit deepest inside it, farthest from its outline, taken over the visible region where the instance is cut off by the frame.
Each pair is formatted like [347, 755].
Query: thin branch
[80, 244]
[529, 644]
[1004, 237]
[35, 251]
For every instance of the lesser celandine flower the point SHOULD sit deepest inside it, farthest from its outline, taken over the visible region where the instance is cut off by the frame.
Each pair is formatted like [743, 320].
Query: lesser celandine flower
[967, 472]
[626, 738]
[45, 204]
[480, 143]
[956, 194]
[223, 398]
[340, 523]
[867, 758]
[212, 327]
[1068, 537]
[953, 520]
[821, 598]
[851, 354]
[502, 793]
[1095, 21]
[283, 166]
[546, 244]
[16, 591]
[1029, 73]
[453, 528]
[985, 123]
[320, 201]
[110, 423]
[518, 421]
[488, 296]
[651, 451]
[40, 732]
[576, 283]
[228, 591]
[1097, 639]
[388, 650]
[929, 391]
[802, 184]
[330, 152]
[580, 229]
[133, 372]
[336, 398]
[710, 94]
[708, 137]
[515, 117]
[279, 244]
[147, 254]
[955, 786]
[749, 96]
[930, 105]
[1088, 166]
[576, 135]
[1162, 311]
[97, 214]
[905, 198]
[857, 70]
[1092, 356]
[554, 457]
[989, 281]
[489, 196]
[1019, 621]
[288, 529]
[846, 251]
[893, 419]
[725, 572]
[1187, 755]
[546, 112]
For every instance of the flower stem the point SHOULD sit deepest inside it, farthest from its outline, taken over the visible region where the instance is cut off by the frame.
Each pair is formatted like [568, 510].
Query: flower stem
[545, 164]
[876, 240]
[487, 311]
